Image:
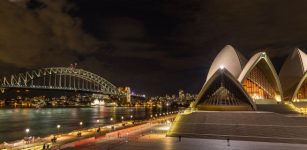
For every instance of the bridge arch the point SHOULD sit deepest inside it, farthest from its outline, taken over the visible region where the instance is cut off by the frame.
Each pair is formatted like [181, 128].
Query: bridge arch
[60, 78]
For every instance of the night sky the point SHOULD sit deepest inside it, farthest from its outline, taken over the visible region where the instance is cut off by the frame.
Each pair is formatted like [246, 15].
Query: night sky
[154, 46]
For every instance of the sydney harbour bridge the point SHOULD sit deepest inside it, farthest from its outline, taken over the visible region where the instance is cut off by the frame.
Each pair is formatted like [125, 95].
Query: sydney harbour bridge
[60, 78]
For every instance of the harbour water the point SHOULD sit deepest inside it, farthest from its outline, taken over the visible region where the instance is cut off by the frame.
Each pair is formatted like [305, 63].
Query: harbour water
[44, 121]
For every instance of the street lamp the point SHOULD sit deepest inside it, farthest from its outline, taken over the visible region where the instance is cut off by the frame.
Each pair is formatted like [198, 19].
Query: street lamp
[97, 120]
[27, 131]
[111, 119]
[122, 118]
[167, 104]
[58, 127]
[80, 123]
[131, 117]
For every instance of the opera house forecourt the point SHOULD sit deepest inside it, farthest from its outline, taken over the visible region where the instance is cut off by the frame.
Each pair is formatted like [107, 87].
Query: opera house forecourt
[246, 99]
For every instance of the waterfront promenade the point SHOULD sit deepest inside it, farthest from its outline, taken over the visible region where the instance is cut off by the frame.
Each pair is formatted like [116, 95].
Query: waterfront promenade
[72, 139]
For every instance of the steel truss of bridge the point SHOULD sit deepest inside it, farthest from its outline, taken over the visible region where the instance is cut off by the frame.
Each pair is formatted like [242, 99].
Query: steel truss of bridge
[60, 78]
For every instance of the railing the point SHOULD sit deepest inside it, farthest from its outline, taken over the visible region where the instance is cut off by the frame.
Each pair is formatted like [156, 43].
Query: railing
[302, 110]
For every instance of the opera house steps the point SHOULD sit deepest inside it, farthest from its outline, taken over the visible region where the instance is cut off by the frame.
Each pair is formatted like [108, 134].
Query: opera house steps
[241, 125]
[223, 108]
[277, 108]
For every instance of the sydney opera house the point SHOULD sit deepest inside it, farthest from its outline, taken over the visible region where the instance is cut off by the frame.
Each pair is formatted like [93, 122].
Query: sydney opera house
[248, 99]
[235, 83]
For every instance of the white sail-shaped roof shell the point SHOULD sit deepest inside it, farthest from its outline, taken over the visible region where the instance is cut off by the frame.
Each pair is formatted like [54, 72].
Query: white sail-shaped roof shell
[253, 61]
[230, 59]
[219, 72]
[292, 73]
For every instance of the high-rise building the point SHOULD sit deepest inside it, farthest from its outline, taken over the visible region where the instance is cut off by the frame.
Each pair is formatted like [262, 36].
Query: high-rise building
[181, 95]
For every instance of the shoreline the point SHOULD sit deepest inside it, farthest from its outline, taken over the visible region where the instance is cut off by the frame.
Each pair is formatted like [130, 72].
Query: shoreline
[71, 136]
[11, 107]
[8, 107]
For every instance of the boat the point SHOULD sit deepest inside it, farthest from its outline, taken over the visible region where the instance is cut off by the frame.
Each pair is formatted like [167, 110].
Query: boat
[97, 102]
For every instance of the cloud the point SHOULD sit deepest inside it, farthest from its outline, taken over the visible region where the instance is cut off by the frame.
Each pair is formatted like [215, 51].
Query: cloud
[41, 36]
[248, 25]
